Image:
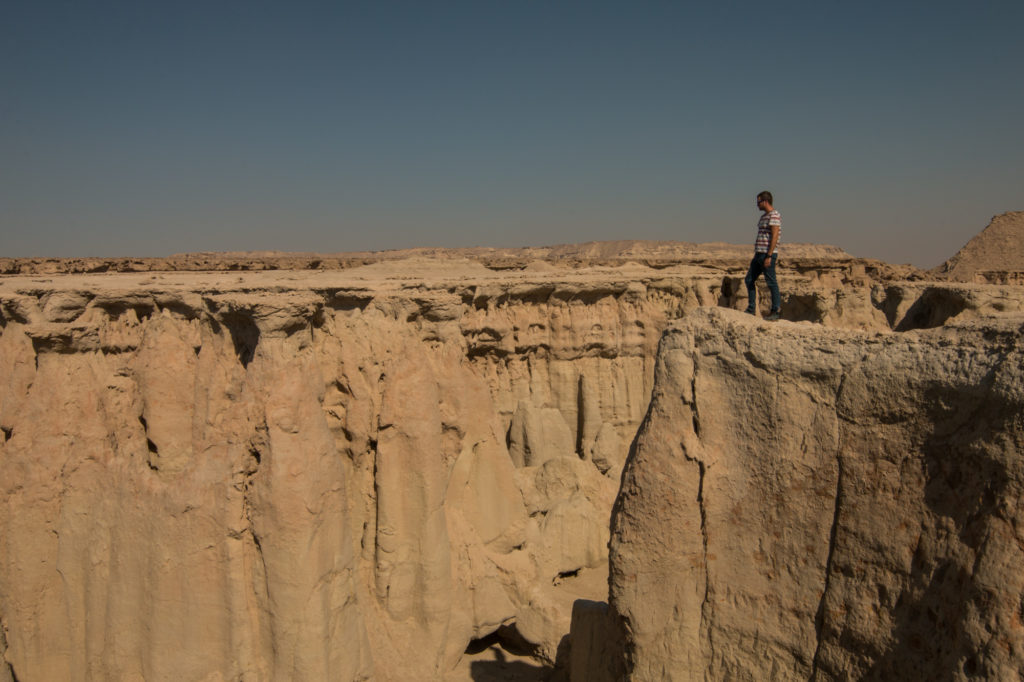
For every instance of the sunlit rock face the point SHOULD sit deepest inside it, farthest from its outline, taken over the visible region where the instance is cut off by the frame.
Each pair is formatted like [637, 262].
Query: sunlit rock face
[370, 473]
[278, 479]
[811, 503]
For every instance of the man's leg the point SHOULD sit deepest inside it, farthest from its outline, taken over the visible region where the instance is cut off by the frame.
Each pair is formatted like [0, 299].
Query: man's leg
[773, 285]
[753, 272]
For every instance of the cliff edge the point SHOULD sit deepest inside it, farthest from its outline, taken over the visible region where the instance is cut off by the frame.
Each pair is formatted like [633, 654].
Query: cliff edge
[809, 503]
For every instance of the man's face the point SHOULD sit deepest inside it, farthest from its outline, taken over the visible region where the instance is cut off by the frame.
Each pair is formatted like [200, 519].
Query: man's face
[760, 203]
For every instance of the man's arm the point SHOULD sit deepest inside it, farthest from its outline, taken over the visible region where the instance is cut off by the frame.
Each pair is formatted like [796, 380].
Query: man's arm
[772, 244]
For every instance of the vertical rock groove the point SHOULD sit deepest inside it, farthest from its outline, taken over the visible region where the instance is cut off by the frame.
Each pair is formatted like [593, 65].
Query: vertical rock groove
[856, 522]
[819, 616]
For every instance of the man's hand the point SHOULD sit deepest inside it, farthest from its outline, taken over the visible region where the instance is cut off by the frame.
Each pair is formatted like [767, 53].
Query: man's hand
[768, 261]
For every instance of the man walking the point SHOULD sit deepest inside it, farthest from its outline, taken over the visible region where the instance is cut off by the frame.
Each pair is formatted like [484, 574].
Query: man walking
[766, 256]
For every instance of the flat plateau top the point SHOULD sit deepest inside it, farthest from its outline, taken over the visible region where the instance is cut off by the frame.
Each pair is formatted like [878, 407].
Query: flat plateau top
[384, 275]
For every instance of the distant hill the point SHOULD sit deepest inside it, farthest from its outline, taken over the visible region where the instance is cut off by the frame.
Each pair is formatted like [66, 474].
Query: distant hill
[995, 254]
[654, 253]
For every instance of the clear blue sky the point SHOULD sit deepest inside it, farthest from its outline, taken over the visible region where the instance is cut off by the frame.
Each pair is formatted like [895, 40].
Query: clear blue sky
[894, 130]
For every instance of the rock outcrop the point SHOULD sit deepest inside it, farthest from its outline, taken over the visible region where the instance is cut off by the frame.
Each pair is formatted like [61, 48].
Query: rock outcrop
[376, 471]
[204, 477]
[806, 503]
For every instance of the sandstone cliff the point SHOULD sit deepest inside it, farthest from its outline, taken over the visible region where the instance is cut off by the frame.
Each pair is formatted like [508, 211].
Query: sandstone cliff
[365, 473]
[217, 478]
[804, 503]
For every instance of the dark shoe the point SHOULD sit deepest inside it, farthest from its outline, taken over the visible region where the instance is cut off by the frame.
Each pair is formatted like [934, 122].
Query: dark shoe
[749, 311]
[774, 315]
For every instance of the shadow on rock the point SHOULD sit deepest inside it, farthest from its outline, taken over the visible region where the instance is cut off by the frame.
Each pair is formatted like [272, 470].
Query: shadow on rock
[504, 668]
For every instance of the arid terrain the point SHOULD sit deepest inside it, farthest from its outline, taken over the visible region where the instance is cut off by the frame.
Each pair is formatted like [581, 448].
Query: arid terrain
[563, 463]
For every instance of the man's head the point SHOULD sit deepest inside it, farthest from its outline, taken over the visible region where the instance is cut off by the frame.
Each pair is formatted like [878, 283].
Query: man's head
[765, 201]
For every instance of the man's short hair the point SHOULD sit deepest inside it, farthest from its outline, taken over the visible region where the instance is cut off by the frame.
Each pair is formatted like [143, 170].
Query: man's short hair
[766, 196]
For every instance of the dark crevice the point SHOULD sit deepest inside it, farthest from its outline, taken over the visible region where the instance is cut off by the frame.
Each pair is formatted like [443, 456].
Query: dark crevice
[756, 361]
[508, 639]
[693, 407]
[60, 343]
[730, 287]
[116, 309]
[12, 314]
[3, 648]
[483, 643]
[562, 576]
[8, 432]
[319, 318]
[705, 609]
[247, 512]
[932, 309]
[179, 309]
[149, 442]
[580, 407]
[245, 336]
[819, 617]
[588, 297]
[484, 351]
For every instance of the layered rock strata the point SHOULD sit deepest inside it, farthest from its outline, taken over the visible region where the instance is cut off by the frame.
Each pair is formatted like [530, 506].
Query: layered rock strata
[342, 475]
[806, 503]
[295, 479]
[659, 254]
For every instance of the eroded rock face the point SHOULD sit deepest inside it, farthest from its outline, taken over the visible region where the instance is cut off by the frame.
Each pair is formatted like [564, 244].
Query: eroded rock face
[805, 503]
[222, 480]
[296, 475]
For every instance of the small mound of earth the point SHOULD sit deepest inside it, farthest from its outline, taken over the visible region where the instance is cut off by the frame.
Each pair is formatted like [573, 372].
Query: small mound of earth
[539, 266]
[999, 248]
[422, 268]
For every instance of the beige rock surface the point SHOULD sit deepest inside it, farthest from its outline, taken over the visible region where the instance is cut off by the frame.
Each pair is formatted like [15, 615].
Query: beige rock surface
[995, 255]
[394, 467]
[536, 258]
[805, 503]
[294, 475]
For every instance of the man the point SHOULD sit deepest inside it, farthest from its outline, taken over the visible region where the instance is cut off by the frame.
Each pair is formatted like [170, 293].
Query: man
[766, 256]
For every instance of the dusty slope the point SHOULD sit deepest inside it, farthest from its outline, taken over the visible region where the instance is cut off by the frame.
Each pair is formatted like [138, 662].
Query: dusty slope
[996, 254]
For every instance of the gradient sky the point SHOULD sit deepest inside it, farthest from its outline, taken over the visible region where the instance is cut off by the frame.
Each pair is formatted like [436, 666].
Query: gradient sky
[894, 130]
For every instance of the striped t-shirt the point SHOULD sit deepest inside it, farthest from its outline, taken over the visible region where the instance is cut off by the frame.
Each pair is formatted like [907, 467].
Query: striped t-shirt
[764, 231]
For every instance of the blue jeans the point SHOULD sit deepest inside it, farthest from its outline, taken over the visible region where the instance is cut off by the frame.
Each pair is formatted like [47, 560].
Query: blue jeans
[757, 268]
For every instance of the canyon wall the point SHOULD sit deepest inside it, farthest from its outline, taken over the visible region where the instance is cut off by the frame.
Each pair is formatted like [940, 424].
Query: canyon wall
[214, 479]
[367, 473]
[812, 503]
